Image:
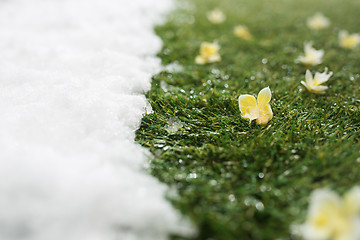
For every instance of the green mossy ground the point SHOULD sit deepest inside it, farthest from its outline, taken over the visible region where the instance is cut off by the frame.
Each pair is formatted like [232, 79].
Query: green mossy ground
[241, 181]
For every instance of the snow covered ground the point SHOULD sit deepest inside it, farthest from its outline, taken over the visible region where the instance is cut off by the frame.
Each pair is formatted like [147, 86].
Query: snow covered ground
[72, 77]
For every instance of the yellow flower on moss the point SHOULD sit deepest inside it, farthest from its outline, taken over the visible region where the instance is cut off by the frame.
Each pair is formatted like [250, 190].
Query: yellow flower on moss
[242, 31]
[209, 53]
[259, 109]
[313, 84]
[318, 21]
[216, 16]
[331, 217]
[312, 56]
[347, 40]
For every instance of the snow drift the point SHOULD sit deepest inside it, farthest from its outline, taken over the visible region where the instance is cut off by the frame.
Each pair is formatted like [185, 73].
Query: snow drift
[72, 77]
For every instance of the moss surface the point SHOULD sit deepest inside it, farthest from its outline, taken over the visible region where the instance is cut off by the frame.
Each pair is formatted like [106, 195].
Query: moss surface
[242, 181]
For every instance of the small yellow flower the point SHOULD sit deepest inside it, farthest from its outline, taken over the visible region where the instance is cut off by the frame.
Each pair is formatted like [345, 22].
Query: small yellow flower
[260, 110]
[318, 21]
[331, 217]
[208, 53]
[312, 56]
[347, 40]
[242, 31]
[216, 16]
[313, 84]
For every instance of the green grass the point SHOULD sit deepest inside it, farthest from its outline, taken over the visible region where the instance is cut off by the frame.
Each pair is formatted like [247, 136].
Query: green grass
[242, 181]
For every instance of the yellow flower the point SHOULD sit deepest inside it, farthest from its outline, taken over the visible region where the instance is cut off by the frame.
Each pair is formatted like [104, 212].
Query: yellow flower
[318, 21]
[242, 31]
[260, 110]
[313, 84]
[347, 40]
[216, 16]
[312, 56]
[208, 53]
[331, 217]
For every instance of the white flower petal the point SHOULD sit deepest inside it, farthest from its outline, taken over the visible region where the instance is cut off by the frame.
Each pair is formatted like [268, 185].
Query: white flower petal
[312, 56]
[319, 89]
[214, 58]
[322, 77]
[309, 232]
[308, 47]
[318, 21]
[200, 60]
[309, 78]
[321, 196]
[352, 200]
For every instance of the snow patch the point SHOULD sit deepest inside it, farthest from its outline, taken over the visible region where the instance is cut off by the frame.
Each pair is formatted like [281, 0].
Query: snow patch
[72, 78]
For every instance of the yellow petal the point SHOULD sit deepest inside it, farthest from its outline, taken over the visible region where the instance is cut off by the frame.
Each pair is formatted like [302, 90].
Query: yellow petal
[248, 107]
[265, 115]
[242, 32]
[264, 97]
[348, 40]
[207, 49]
[200, 60]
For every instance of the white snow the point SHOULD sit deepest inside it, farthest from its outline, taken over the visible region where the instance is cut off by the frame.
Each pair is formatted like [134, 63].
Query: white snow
[72, 78]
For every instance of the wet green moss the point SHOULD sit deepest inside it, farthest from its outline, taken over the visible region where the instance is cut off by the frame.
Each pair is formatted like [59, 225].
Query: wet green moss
[242, 181]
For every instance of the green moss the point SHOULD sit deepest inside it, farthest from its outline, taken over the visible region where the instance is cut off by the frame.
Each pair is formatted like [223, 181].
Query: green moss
[242, 181]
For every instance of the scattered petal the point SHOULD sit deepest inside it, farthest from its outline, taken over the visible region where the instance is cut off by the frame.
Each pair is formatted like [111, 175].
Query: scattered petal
[242, 31]
[208, 53]
[330, 218]
[312, 56]
[318, 21]
[216, 16]
[321, 77]
[265, 115]
[260, 110]
[347, 40]
[352, 200]
[313, 84]
[264, 97]
[200, 60]
[248, 107]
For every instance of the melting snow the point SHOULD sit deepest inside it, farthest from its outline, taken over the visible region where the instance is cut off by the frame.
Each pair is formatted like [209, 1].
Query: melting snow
[72, 77]
[174, 67]
[173, 125]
